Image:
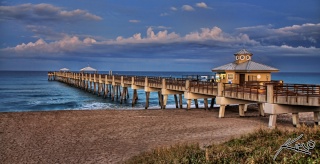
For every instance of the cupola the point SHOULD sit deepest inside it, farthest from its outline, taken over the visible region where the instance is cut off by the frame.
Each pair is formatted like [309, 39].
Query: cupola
[243, 56]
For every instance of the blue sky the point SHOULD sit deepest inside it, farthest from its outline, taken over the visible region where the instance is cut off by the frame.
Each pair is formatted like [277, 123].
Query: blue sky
[153, 35]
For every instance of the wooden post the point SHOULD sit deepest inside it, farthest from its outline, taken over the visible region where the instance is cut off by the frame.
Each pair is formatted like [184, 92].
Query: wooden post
[117, 93]
[189, 104]
[176, 100]
[222, 110]
[180, 101]
[160, 97]
[94, 87]
[272, 121]
[205, 103]
[270, 93]
[147, 100]
[196, 103]
[165, 99]
[241, 109]
[295, 119]
[261, 109]
[212, 102]
[113, 92]
[134, 99]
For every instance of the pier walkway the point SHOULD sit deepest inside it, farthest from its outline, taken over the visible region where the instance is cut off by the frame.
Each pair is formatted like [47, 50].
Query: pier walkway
[272, 97]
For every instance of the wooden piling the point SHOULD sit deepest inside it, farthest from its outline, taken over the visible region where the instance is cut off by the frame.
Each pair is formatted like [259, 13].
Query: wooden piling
[147, 100]
[180, 101]
[205, 103]
[196, 103]
[176, 100]
[212, 102]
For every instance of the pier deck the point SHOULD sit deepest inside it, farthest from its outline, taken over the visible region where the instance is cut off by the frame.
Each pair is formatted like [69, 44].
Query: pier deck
[272, 97]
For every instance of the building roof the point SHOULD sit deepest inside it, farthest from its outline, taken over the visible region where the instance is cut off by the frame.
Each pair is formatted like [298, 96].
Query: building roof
[64, 69]
[88, 69]
[243, 52]
[246, 66]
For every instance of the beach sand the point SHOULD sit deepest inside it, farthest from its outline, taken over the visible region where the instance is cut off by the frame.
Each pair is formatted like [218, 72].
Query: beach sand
[111, 136]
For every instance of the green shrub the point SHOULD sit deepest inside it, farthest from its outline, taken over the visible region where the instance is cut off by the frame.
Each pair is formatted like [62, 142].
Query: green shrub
[257, 147]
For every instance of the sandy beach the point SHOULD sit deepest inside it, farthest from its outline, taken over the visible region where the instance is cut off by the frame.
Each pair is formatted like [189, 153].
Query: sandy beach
[112, 136]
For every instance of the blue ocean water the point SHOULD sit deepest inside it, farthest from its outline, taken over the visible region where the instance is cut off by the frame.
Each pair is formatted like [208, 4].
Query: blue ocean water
[31, 91]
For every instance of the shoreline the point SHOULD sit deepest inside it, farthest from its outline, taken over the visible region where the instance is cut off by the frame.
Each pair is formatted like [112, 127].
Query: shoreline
[111, 136]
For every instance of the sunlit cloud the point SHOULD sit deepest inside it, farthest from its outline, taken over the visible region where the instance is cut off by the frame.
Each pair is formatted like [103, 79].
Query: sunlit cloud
[187, 8]
[202, 5]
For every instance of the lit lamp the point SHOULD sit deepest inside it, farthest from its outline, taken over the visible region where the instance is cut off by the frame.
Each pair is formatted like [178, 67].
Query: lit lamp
[259, 76]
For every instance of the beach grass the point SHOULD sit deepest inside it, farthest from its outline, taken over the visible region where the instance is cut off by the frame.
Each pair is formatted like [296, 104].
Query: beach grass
[257, 147]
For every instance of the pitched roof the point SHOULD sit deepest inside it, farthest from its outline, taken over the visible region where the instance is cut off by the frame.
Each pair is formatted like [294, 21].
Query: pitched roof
[88, 69]
[64, 69]
[243, 52]
[246, 66]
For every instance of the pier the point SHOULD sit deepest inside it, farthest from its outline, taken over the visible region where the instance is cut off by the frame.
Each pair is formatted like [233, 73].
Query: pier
[273, 97]
[241, 82]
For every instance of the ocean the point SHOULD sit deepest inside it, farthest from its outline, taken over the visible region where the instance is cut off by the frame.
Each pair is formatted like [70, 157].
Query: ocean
[31, 91]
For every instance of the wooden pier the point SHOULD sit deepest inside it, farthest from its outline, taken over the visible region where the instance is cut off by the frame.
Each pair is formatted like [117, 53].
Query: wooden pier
[272, 97]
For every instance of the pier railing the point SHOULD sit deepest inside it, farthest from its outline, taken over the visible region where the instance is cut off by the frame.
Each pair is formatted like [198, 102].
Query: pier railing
[203, 87]
[296, 91]
[282, 92]
[177, 84]
[139, 80]
[246, 92]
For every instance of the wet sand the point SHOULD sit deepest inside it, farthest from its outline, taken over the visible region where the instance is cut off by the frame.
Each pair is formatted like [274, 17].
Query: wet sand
[112, 136]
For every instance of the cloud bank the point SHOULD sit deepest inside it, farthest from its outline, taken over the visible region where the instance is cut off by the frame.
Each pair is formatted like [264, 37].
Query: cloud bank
[35, 13]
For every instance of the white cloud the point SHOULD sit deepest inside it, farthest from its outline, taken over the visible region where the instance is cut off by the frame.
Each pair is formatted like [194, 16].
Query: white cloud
[214, 36]
[134, 21]
[67, 44]
[187, 8]
[173, 8]
[202, 5]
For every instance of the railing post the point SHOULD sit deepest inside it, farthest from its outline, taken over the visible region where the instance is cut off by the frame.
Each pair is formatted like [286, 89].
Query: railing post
[132, 80]
[146, 83]
[220, 89]
[187, 85]
[122, 81]
[270, 94]
[164, 83]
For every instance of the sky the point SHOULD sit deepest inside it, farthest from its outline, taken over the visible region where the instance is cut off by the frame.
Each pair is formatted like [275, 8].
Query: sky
[158, 35]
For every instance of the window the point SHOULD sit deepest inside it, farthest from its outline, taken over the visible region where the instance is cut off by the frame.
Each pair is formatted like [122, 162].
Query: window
[230, 76]
[252, 78]
[242, 57]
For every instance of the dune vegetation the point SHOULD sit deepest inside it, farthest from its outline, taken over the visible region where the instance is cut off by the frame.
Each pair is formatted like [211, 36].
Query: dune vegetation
[260, 146]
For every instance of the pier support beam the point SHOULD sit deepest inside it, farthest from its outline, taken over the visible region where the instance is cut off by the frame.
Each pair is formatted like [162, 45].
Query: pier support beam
[295, 119]
[165, 99]
[205, 103]
[222, 110]
[196, 103]
[176, 100]
[188, 104]
[241, 109]
[261, 109]
[272, 121]
[147, 100]
[212, 102]
[134, 97]
[180, 101]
